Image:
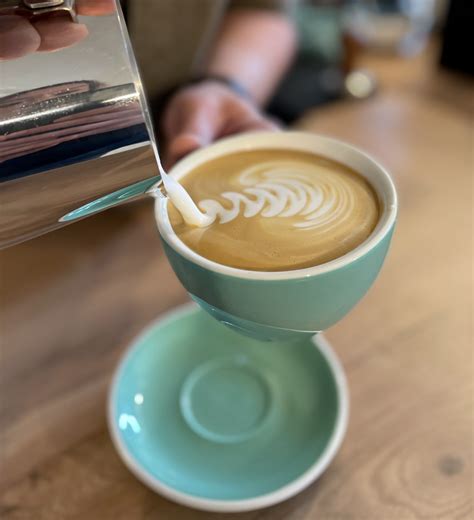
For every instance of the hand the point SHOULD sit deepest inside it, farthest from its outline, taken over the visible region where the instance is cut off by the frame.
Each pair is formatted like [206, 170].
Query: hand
[19, 36]
[199, 114]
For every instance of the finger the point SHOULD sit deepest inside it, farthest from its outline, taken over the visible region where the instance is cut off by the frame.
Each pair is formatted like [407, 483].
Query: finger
[250, 124]
[182, 145]
[189, 127]
[95, 7]
[58, 33]
[17, 37]
[190, 114]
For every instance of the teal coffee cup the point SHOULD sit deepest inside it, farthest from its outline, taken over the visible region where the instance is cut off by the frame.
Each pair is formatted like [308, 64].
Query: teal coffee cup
[283, 305]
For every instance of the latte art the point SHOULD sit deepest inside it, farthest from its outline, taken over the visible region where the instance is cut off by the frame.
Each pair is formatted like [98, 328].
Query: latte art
[276, 189]
[275, 210]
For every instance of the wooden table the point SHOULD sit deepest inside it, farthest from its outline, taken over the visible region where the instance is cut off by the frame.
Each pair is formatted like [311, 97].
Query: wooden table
[72, 300]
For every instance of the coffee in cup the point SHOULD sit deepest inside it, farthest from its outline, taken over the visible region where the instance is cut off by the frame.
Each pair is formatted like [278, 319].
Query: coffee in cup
[277, 210]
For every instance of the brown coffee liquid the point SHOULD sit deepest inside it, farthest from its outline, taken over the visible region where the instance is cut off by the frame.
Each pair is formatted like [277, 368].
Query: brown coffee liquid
[277, 210]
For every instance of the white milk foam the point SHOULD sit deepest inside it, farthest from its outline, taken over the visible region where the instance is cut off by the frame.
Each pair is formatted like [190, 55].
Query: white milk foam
[185, 204]
[278, 189]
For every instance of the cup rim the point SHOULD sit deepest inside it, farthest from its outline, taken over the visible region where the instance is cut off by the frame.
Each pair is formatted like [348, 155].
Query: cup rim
[291, 140]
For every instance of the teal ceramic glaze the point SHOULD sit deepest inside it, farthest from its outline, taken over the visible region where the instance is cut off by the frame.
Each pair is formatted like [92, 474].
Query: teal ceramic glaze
[251, 328]
[280, 309]
[219, 421]
[284, 305]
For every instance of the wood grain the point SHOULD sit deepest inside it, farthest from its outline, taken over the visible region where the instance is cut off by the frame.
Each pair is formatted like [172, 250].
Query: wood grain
[73, 299]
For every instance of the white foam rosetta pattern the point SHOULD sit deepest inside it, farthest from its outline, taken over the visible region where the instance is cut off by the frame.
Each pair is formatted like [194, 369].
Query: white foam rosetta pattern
[284, 190]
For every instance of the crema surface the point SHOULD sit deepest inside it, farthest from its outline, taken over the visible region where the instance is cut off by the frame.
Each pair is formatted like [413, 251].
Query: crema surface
[277, 210]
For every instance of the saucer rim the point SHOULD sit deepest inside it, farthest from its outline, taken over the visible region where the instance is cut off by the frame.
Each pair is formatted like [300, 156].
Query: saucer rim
[241, 505]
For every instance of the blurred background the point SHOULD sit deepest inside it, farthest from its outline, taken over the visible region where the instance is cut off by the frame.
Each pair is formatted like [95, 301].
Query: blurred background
[333, 36]
[393, 77]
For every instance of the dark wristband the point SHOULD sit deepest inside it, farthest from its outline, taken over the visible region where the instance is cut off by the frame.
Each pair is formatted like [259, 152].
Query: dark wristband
[235, 86]
[160, 102]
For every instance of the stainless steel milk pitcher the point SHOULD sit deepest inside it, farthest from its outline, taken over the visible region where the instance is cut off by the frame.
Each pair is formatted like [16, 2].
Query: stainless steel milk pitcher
[74, 126]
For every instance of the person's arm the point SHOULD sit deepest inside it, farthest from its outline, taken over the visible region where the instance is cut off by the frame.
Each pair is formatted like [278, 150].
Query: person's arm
[254, 48]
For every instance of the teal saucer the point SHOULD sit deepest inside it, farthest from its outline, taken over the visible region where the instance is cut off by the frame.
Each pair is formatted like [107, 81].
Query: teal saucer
[221, 422]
